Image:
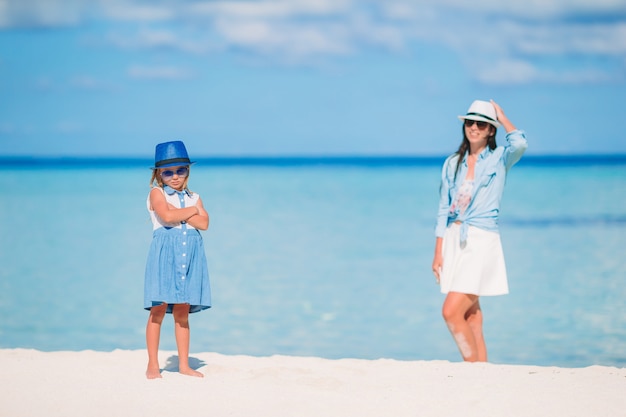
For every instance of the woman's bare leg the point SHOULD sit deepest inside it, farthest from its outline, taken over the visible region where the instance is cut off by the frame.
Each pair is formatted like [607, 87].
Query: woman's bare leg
[455, 308]
[181, 331]
[474, 318]
[153, 335]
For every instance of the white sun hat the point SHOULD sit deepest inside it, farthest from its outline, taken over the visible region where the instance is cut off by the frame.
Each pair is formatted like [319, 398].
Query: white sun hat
[482, 111]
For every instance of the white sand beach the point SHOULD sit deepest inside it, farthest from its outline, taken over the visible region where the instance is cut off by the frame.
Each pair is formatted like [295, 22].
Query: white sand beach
[90, 383]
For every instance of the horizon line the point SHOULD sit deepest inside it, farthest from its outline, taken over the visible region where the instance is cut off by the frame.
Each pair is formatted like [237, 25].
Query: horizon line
[299, 160]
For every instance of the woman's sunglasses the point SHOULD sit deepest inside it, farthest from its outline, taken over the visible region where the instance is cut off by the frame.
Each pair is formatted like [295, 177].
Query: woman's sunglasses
[168, 173]
[479, 124]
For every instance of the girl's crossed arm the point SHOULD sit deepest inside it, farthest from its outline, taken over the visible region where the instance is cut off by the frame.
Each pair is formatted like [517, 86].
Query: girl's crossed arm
[167, 212]
[201, 220]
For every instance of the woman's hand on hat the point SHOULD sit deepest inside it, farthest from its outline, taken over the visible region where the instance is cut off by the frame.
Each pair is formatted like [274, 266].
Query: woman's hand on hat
[504, 121]
[499, 111]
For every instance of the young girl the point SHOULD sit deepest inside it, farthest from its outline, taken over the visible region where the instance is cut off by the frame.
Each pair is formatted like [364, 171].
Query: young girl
[468, 259]
[177, 279]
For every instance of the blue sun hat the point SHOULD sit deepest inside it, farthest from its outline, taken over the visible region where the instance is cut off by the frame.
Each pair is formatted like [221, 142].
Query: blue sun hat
[171, 154]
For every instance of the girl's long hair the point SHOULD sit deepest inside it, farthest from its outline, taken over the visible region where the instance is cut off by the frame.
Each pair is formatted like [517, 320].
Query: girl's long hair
[464, 147]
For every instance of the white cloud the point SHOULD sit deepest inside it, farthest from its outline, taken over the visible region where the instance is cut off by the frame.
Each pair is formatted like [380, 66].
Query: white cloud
[86, 82]
[126, 10]
[578, 76]
[515, 34]
[147, 38]
[41, 13]
[158, 72]
[540, 10]
[557, 38]
[272, 9]
[507, 72]
[284, 38]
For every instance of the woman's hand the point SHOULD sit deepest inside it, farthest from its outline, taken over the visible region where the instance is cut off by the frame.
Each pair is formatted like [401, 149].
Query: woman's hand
[504, 121]
[437, 263]
[438, 259]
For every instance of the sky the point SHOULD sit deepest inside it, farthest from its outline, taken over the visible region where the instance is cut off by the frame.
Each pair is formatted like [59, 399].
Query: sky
[307, 77]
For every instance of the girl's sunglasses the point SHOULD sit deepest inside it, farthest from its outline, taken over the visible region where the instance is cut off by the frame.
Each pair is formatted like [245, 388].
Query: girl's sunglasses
[168, 173]
[480, 125]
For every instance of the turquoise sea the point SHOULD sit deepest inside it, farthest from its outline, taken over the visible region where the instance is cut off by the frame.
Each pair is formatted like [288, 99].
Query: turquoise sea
[315, 257]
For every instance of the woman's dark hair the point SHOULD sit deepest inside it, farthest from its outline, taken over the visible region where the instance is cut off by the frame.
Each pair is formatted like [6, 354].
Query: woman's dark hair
[464, 148]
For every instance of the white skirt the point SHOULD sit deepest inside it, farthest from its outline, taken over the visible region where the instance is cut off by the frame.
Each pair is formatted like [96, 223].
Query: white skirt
[477, 268]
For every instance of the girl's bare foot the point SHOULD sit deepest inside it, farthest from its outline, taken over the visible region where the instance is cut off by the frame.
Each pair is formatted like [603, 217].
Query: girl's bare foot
[152, 373]
[191, 372]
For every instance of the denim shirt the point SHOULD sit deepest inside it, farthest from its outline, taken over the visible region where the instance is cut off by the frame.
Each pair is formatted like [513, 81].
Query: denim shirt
[489, 178]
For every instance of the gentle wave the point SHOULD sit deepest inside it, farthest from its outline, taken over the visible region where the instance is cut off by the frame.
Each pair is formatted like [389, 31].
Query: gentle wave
[582, 221]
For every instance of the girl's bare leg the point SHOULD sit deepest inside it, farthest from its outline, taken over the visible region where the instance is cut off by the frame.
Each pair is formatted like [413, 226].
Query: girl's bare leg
[455, 308]
[153, 335]
[181, 331]
[474, 318]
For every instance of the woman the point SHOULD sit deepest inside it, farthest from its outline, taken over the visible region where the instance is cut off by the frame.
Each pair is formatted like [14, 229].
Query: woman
[468, 261]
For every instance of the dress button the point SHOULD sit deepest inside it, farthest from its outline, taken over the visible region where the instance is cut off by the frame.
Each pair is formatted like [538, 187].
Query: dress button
[184, 266]
[184, 243]
[183, 277]
[184, 254]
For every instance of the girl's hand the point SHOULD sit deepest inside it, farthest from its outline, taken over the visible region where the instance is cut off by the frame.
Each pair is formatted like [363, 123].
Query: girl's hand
[166, 211]
[201, 219]
[173, 207]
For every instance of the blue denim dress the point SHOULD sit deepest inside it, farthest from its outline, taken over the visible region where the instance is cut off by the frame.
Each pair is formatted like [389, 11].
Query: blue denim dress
[176, 269]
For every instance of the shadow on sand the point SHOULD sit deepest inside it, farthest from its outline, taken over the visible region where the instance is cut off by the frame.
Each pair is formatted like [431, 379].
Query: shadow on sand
[172, 364]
